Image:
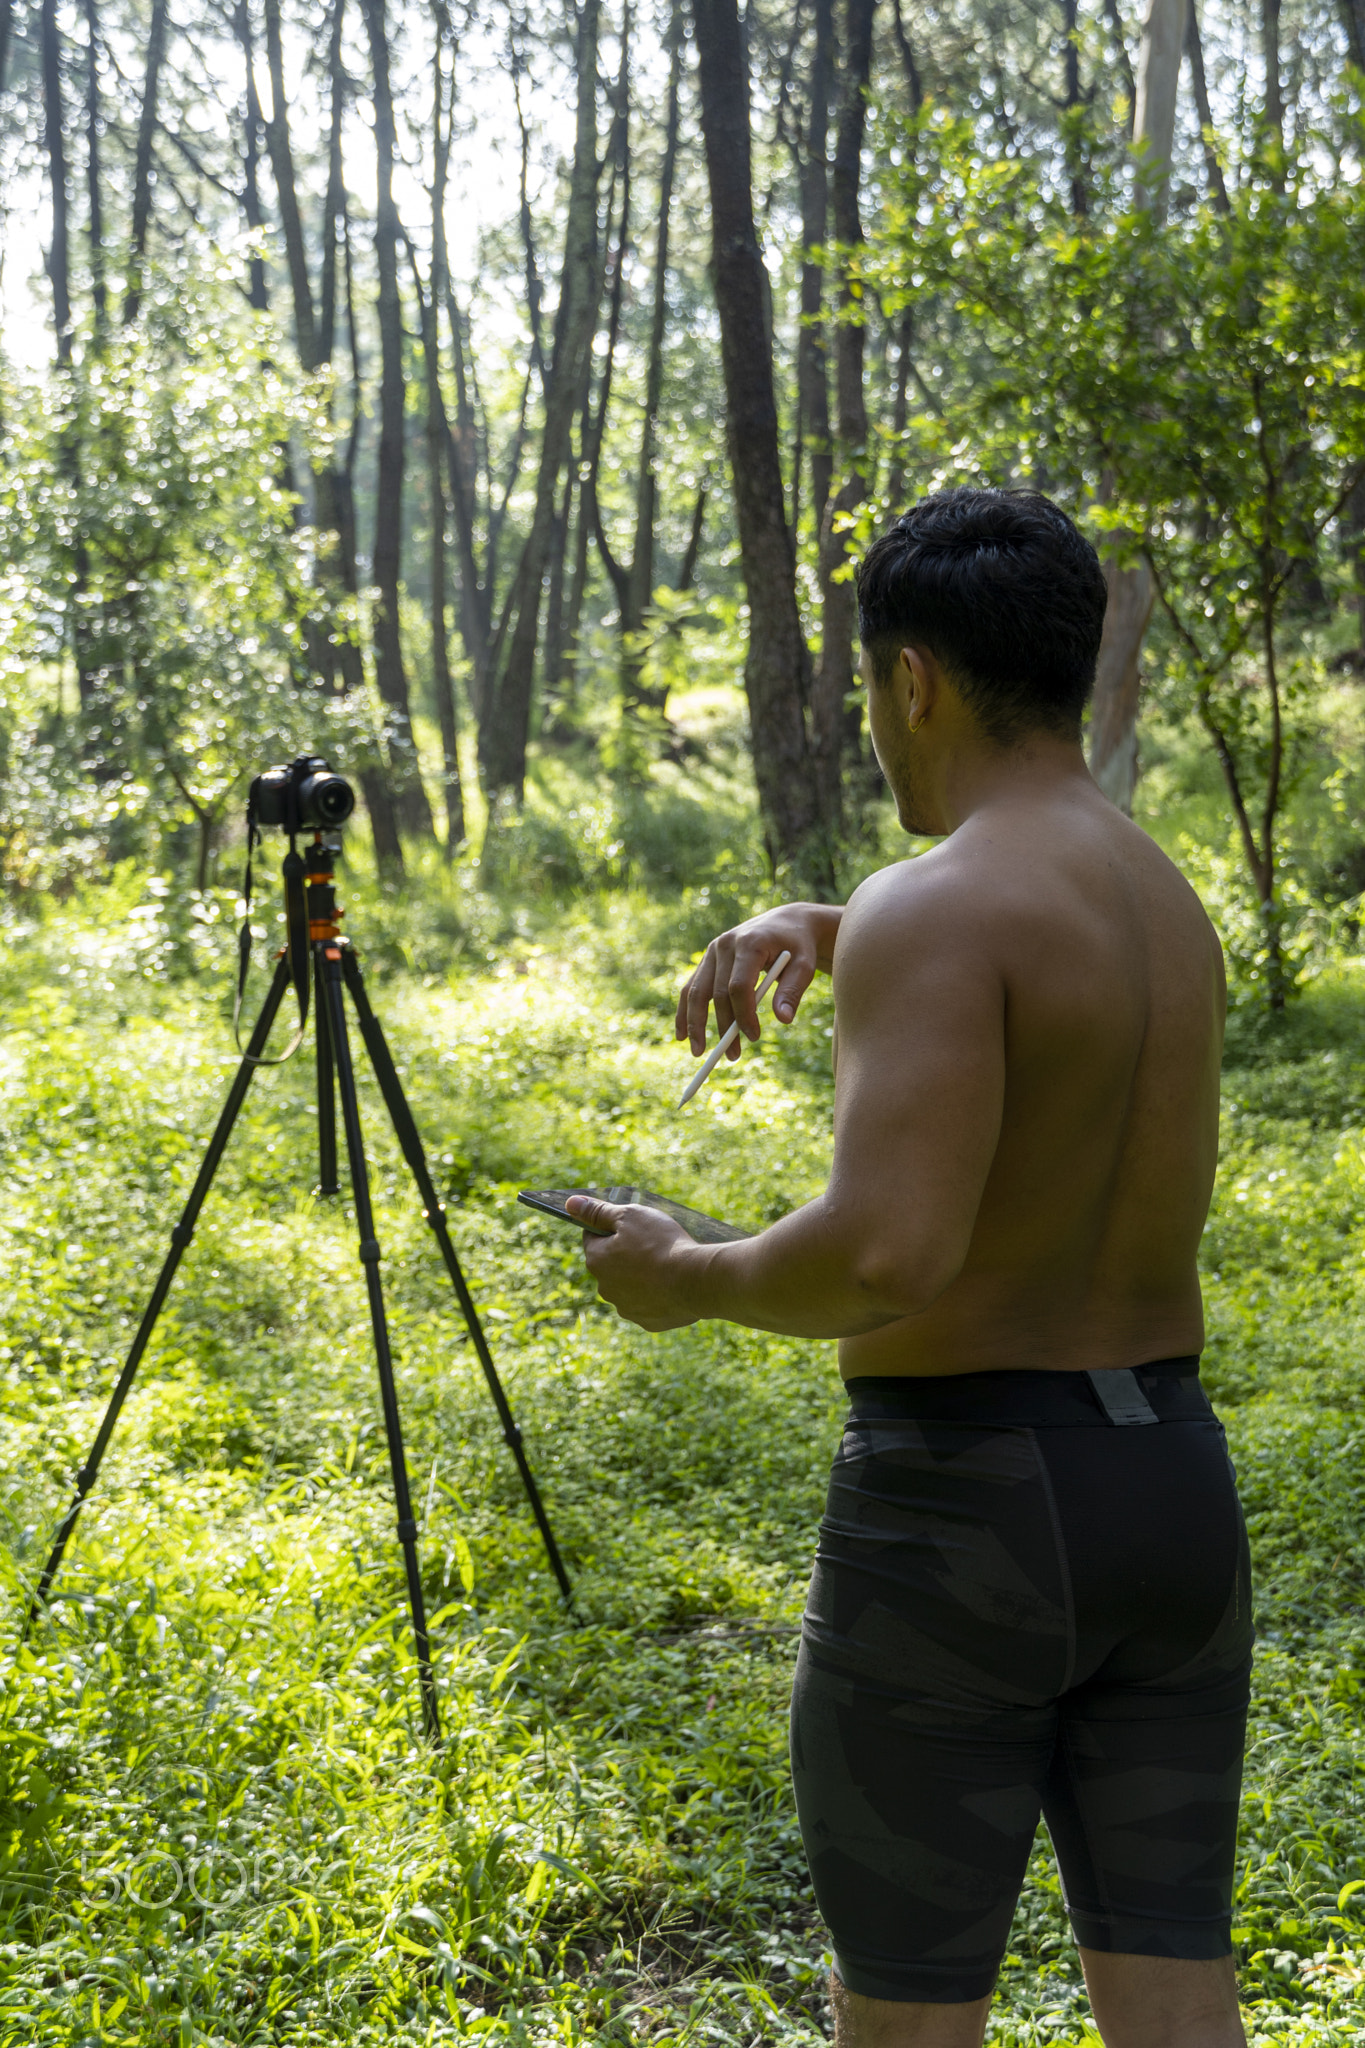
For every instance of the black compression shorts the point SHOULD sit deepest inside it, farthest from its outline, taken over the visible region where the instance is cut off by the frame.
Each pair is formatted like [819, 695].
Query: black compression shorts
[1031, 1594]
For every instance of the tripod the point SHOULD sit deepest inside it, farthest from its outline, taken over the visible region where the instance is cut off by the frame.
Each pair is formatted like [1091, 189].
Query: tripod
[318, 955]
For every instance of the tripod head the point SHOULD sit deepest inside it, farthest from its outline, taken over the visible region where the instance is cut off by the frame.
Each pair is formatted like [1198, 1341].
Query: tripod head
[306, 794]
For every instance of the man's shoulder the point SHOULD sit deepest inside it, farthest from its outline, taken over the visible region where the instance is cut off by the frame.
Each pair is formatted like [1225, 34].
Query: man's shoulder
[928, 908]
[946, 881]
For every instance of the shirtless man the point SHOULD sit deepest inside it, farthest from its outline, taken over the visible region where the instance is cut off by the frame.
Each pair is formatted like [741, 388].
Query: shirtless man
[1031, 1588]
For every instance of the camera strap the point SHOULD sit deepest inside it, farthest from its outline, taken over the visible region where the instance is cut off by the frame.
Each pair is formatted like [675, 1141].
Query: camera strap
[297, 929]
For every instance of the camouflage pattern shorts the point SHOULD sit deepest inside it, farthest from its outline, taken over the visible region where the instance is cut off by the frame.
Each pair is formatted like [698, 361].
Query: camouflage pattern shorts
[1024, 1601]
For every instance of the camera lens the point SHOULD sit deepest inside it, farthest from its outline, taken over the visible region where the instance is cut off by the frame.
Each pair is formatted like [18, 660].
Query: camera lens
[326, 800]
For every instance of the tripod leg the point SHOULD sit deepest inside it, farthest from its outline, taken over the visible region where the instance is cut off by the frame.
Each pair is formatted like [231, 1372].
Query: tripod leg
[330, 955]
[327, 1115]
[381, 1059]
[180, 1238]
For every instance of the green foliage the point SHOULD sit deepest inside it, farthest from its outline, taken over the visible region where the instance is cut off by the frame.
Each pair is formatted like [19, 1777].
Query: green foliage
[1194, 388]
[156, 573]
[217, 1819]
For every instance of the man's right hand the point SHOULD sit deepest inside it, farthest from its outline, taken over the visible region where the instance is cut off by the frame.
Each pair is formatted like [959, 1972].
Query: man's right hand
[736, 962]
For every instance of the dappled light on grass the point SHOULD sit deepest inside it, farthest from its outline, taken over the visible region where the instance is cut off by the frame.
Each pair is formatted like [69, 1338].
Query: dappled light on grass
[220, 1822]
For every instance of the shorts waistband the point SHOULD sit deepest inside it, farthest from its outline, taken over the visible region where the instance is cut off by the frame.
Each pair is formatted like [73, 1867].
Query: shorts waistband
[1164, 1390]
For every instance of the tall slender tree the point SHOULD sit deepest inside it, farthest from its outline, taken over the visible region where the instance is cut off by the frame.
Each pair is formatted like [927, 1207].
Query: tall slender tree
[1072, 104]
[1213, 169]
[1353, 27]
[143, 163]
[833, 683]
[94, 185]
[390, 674]
[58, 259]
[777, 665]
[1118, 674]
[633, 578]
[253, 127]
[438, 440]
[1274, 82]
[505, 730]
[812, 348]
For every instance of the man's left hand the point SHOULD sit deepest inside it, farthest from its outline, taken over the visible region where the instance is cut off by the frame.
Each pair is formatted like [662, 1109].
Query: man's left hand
[644, 1266]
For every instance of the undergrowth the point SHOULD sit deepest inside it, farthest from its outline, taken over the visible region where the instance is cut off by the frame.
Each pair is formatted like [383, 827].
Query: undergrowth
[218, 1819]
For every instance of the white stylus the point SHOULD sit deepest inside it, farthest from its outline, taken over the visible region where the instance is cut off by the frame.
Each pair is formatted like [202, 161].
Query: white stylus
[709, 1063]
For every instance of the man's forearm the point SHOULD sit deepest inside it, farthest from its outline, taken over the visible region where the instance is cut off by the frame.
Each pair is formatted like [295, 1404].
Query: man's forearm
[799, 1278]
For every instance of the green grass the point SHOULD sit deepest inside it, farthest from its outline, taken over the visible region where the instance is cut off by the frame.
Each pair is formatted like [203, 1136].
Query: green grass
[218, 1822]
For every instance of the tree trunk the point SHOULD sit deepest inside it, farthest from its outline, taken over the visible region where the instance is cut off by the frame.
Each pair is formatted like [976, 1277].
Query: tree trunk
[374, 780]
[556, 646]
[142, 166]
[534, 289]
[1353, 525]
[776, 667]
[1071, 102]
[334, 204]
[6, 36]
[640, 579]
[812, 352]
[504, 733]
[1163, 36]
[1213, 170]
[414, 811]
[58, 265]
[54, 133]
[1113, 717]
[1124, 61]
[1274, 91]
[286, 191]
[462, 462]
[573, 609]
[905, 332]
[914, 84]
[839, 605]
[253, 126]
[443, 683]
[93, 185]
[1352, 22]
[335, 654]
[594, 418]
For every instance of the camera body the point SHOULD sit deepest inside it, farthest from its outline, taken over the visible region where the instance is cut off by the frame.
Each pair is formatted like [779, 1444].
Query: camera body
[307, 795]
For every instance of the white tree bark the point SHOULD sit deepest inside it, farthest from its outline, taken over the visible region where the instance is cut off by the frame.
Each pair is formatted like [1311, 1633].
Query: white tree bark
[1118, 677]
[1163, 42]
[1118, 682]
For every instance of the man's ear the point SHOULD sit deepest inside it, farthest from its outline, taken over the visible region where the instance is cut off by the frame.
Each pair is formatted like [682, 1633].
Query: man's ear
[919, 674]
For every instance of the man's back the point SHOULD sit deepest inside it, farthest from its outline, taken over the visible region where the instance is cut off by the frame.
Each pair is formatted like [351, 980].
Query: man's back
[1111, 984]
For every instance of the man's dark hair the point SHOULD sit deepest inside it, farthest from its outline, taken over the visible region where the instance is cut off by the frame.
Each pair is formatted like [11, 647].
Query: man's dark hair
[1001, 588]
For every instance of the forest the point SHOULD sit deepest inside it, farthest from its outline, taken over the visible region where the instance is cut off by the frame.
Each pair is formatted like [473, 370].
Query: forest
[496, 401]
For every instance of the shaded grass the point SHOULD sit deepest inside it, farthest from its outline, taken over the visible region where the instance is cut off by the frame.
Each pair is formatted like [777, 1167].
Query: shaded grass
[217, 1819]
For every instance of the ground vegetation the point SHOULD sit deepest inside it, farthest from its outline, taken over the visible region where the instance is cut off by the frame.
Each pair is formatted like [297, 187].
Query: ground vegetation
[405, 397]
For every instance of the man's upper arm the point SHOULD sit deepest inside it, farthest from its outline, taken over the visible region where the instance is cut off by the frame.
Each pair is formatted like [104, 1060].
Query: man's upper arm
[921, 1078]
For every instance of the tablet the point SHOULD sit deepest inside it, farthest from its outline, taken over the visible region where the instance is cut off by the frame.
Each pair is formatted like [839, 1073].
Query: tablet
[705, 1229]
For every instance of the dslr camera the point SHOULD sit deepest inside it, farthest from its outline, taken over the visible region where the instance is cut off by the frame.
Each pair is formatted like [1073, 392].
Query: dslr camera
[306, 796]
